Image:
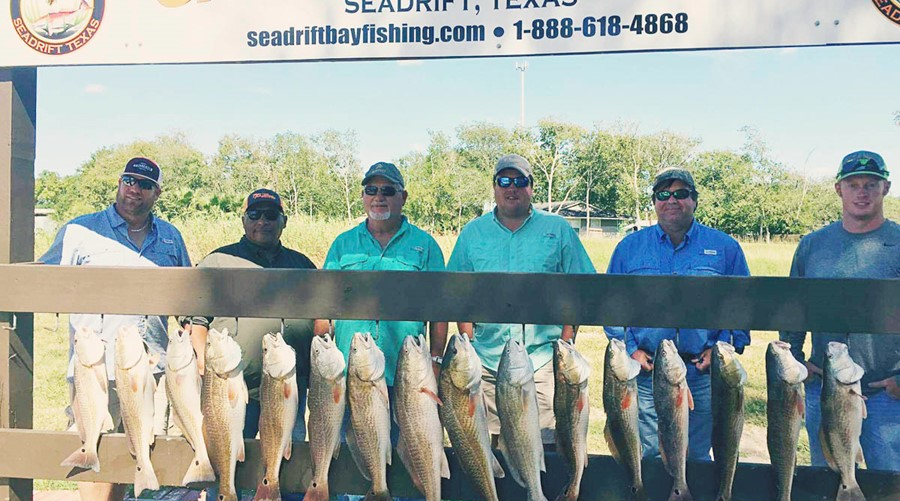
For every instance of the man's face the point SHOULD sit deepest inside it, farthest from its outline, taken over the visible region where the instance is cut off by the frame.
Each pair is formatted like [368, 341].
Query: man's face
[862, 196]
[512, 200]
[674, 212]
[135, 199]
[380, 207]
[265, 230]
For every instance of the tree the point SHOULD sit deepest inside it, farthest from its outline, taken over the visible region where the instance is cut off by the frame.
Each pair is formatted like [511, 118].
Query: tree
[340, 149]
[552, 155]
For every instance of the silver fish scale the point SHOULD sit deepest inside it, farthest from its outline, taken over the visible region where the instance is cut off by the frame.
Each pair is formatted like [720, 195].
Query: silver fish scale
[783, 404]
[326, 418]
[217, 430]
[369, 417]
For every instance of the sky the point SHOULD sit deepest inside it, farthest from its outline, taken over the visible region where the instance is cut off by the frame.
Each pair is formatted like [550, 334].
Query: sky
[811, 105]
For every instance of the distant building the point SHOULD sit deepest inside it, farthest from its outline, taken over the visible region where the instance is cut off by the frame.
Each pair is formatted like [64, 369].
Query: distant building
[587, 219]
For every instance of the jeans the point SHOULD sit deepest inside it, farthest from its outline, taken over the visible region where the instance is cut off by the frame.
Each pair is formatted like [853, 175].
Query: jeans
[699, 419]
[880, 437]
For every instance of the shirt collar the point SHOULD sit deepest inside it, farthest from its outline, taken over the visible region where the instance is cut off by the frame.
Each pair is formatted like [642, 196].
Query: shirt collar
[258, 251]
[530, 216]
[116, 220]
[690, 235]
[404, 224]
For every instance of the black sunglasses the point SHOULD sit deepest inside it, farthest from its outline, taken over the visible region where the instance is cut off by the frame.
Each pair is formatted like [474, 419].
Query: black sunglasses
[269, 214]
[143, 183]
[372, 190]
[664, 195]
[506, 181]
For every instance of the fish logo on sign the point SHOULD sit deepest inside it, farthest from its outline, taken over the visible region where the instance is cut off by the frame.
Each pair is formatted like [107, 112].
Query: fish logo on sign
[56, 27]
[890, 9]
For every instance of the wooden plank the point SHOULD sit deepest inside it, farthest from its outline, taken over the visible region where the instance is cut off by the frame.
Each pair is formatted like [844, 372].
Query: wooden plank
[604, 480]
[765, 303]
[18, 100]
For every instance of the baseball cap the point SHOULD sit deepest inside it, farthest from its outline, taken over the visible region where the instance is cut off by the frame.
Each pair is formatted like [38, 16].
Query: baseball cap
[862, 162]
[144, 168]
[386, 170]
[513, 161]
[263, 196]
[674, 174]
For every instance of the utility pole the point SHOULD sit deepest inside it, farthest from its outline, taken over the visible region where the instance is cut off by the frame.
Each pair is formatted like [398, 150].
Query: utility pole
[522, 67]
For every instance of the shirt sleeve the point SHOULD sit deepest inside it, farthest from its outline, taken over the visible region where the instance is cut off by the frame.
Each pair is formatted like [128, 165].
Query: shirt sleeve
[739, 338]
[796, 338]
[184, 259]
[459, 260]
[332, 259]
[59, 252]
[575, 258]
[435, 256]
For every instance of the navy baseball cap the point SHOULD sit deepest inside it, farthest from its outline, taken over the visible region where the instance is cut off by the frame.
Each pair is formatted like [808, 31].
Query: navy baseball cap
[263, 196]
[386, 170]
[862, 162]
[144, 168]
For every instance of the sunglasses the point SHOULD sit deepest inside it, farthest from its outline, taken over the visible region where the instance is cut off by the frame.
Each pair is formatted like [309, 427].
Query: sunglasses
[664, 195]
[269, 214]
[372, 190]
[506, 181]
[143, 183]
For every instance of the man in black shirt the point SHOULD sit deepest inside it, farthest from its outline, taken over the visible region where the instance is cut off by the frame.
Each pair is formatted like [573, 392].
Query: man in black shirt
[260, 247]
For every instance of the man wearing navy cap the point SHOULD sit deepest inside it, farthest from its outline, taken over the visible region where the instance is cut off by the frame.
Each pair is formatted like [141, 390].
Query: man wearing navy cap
[124, 234]
[862, 244]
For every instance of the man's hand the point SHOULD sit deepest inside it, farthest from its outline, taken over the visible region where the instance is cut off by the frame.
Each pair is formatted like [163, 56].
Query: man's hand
[889, 385]
[813, 369]
[644, 359]
[703, 362]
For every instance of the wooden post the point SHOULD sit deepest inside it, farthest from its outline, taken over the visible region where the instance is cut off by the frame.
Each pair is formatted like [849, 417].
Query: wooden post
[18, 103]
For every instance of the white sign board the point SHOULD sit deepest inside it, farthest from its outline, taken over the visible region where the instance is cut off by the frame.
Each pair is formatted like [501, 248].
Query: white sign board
[79, 32]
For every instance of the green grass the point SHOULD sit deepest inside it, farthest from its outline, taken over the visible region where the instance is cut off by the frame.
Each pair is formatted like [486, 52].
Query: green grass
[313, 239]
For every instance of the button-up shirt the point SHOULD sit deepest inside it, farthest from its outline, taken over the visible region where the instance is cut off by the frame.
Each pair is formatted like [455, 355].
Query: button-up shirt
[101, 239]
[703, 252]
[545, 243]
[410, 249]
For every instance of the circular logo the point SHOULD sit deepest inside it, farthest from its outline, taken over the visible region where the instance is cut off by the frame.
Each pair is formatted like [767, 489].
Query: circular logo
[890, 9]
[56, 27]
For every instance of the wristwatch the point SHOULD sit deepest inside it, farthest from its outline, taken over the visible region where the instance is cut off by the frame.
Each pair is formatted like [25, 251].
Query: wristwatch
[437, 359]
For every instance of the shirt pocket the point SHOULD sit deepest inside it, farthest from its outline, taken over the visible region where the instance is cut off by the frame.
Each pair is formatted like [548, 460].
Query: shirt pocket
[642, 265]
[709, 262]
[547, 257]
[352, 261]
[412, 261]
[164, 255]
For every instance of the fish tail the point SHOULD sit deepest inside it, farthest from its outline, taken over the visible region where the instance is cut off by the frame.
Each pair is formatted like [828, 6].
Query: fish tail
[200, 471]
[268, 490]
[84, 457]
[680, 493]
[378, 496]
[849, 492]
[317, 491]
[145, 478]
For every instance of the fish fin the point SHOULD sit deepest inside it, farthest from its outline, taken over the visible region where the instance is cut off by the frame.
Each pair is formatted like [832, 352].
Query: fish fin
[246, 391]
[607, 433]
[135, 384]
[200, 471]
[859, 454]
[100, 373]
[145, 479]
[501, 445]
[829, 458]
[665, 461]
[626, 401]
[543, 463]
[287, 390]
[690, 398]
[495, 466]
[180, 378]
[337, 449]
[634, 368]
[473, 403]
[356, 453]
[582, 401]
[445, 466]
[84, 458]
[288, 449]
[431, 395]
[336, 392]
[79, 421]
[152, 358]
[406, 459]
[232, 395]
[241, 452]
[107, 423]
[801, 408]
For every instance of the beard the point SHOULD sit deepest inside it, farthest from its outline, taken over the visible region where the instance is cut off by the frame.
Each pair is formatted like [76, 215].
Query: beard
[379, 216]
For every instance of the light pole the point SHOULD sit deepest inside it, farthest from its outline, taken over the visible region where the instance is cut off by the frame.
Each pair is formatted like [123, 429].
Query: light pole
[522, 67]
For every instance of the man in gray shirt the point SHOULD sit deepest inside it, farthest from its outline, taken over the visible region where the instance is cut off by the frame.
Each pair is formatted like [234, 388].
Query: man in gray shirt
[863, 244]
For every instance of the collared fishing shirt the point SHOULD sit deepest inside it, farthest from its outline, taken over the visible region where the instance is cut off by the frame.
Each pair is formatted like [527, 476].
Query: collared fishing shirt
[703, 252]
[410, 249]
[545, 243]
[101, 239]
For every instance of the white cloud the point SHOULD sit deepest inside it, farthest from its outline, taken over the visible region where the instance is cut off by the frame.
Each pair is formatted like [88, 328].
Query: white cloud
[95, 89]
